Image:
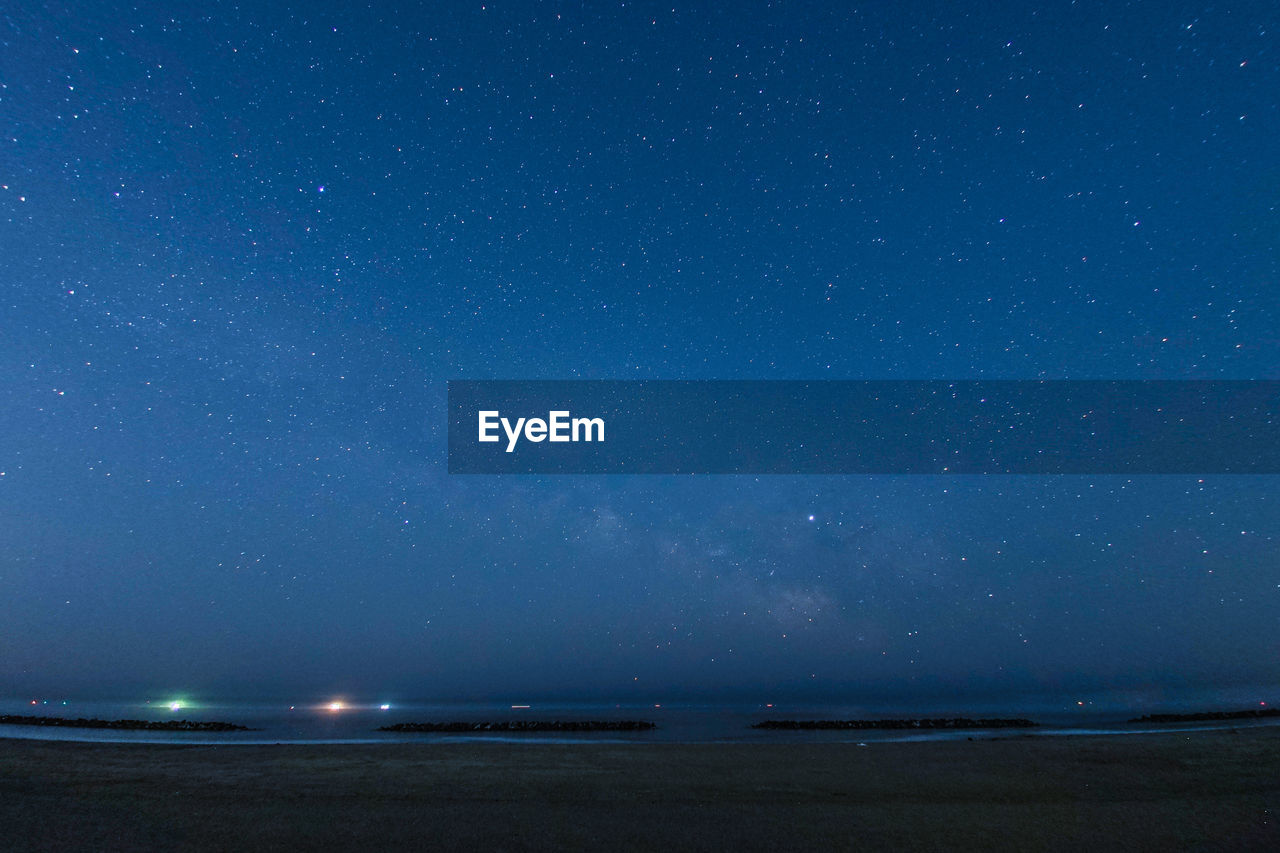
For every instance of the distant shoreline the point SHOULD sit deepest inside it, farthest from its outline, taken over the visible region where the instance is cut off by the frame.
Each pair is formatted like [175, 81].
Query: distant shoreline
[519, 727]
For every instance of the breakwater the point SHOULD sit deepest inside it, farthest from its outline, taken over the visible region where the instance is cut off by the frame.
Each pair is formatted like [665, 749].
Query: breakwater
[1209, 716]
[926, 723]
[131, 725]
[524, 726]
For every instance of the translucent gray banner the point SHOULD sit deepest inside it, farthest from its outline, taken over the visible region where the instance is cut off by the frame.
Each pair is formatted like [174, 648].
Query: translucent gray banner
[864, 427]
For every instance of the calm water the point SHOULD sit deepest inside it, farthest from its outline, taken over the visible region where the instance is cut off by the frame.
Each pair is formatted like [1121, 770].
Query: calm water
[354, 722]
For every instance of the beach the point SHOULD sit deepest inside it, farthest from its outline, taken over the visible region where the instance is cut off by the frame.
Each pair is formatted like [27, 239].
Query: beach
[1209, 789]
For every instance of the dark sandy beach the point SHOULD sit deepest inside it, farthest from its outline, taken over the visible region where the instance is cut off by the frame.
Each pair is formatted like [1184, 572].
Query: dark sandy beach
[1208, 790]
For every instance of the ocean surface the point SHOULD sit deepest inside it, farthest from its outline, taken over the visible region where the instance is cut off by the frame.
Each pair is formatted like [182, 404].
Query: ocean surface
[350, 721]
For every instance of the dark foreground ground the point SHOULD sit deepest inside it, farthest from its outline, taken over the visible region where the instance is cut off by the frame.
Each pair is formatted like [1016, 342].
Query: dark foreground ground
[1206, 790]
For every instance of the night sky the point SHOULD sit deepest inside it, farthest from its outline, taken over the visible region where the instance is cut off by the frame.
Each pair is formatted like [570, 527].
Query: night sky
[243, 248]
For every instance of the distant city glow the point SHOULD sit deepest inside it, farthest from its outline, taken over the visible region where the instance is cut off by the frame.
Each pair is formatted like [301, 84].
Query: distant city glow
[335, 706]
[385, 707]
[175, 706]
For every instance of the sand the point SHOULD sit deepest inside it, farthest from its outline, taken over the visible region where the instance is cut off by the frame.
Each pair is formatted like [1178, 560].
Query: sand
[1208, 790]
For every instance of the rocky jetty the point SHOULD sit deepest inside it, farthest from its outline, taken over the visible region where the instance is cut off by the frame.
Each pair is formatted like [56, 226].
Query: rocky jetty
[525, 726]
[129, 725]
[1209, 716]
[927, 723]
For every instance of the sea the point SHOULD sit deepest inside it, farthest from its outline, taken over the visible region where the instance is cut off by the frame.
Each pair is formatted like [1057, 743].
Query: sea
[349, 720]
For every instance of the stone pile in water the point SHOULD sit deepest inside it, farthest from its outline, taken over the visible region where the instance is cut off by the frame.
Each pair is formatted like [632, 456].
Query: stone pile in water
[133, 725]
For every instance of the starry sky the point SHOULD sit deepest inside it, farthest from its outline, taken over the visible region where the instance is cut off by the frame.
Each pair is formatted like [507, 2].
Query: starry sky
[244, 246]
